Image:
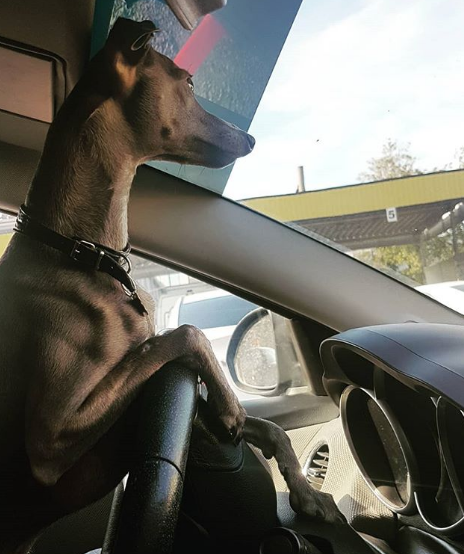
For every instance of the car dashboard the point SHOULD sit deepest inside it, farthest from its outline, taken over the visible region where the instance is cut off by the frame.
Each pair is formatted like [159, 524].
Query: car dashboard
[400, 389]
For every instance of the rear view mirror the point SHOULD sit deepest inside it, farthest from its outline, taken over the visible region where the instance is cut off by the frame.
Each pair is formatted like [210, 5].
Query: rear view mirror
[189, 12]
[251, 355]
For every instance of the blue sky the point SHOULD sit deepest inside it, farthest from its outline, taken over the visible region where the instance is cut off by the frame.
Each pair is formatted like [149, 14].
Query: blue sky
[352, 74]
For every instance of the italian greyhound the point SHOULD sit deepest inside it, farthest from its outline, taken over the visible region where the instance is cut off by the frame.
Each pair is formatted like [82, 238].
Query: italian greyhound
[77, 347]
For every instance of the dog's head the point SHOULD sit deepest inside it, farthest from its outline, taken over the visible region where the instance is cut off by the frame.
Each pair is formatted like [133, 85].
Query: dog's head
[157, 100]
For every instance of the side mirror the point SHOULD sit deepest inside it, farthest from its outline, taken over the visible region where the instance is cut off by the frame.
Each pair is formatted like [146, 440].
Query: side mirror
[252, 356]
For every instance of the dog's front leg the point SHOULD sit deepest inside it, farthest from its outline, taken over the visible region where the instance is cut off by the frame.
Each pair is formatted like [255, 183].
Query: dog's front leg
[269, 437]
[274, 442]
[59, 433]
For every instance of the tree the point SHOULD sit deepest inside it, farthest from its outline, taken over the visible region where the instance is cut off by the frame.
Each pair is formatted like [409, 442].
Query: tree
[459, 158]
[404, 259]
[395, 161]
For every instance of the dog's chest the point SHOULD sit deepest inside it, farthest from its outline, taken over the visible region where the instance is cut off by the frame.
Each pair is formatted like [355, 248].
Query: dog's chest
[123, 320]
[77, 314]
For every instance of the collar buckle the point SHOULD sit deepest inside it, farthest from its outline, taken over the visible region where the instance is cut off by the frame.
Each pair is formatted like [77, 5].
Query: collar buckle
[87, 253]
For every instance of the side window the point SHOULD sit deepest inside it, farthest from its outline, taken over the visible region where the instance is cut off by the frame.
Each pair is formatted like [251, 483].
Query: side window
[254, 346]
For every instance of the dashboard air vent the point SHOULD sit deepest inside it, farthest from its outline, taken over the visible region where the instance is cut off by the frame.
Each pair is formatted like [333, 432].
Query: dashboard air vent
[316, 466]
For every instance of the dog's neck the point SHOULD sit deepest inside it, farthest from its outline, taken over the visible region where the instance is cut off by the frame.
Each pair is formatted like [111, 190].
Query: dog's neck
[82, 185]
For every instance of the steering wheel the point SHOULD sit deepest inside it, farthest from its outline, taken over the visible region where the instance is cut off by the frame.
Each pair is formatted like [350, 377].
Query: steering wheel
[147, 517]
[150, 507]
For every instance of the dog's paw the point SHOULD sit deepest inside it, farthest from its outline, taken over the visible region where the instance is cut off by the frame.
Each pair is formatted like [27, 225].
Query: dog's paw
[315, 505]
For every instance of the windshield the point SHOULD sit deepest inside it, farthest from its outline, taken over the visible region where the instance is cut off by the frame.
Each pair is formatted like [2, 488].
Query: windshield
[357, 107]
[214, 312]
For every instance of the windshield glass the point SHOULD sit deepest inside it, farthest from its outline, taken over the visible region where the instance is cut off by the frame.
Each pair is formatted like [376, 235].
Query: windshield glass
[357, 107]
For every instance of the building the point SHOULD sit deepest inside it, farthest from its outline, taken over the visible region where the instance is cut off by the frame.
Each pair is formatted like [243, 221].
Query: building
[405, 211]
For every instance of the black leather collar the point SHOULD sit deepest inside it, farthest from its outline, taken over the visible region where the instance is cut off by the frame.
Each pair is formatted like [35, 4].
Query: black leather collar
[92, 255]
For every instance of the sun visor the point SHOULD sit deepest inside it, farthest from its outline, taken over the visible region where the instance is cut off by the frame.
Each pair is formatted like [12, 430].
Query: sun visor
[30, 96]
[230, 48]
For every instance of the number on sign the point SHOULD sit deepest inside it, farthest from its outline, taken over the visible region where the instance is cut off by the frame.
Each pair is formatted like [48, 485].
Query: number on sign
[392, 216]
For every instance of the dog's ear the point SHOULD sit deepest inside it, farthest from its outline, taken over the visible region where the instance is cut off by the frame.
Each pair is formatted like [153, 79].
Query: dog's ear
[131, 38]
[126, 47]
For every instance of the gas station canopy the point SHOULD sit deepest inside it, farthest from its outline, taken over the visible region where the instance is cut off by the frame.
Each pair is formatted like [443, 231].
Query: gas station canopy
[382, 213]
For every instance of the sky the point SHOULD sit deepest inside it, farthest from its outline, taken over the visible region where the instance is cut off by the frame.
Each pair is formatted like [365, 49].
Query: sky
[352, 74]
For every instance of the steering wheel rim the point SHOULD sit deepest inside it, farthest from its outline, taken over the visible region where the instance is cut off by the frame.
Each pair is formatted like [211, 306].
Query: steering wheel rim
[150, 506]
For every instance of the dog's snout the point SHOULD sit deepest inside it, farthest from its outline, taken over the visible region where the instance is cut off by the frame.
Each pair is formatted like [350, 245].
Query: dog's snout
[251, 142]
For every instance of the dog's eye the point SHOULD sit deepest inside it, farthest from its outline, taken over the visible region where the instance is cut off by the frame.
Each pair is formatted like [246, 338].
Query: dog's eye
[190, 84]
